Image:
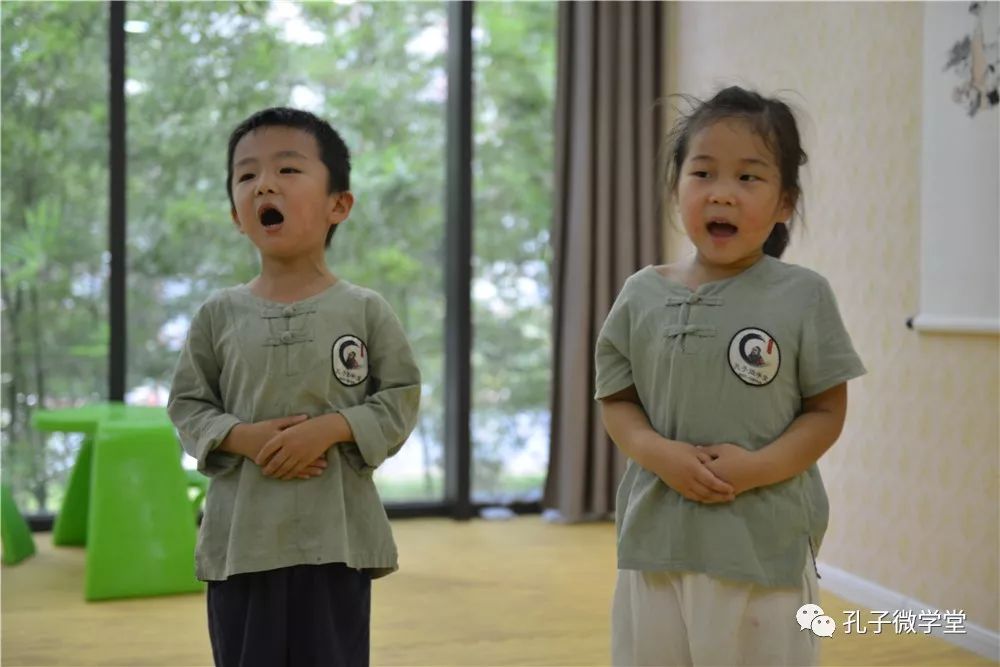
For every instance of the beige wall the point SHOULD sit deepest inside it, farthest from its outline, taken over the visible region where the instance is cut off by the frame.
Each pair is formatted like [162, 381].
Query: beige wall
[913, 481]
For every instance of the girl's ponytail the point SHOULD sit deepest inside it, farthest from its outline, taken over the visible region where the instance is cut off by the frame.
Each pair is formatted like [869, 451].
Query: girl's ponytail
[778, 240]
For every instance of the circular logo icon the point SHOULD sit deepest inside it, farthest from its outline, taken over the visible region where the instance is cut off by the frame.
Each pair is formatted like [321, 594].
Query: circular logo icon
[754, 356]
[350, 360]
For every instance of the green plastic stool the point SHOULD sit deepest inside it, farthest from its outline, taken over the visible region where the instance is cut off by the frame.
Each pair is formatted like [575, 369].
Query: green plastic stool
[70, 527]
[140, 537]
[198, 484]
[15, 534]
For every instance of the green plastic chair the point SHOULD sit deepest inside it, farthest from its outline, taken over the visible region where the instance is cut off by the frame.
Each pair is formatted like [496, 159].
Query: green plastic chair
[140, 536]
[15, 534]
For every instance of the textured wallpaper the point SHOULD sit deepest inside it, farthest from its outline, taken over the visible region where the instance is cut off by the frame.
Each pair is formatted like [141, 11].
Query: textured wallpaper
[913, 480]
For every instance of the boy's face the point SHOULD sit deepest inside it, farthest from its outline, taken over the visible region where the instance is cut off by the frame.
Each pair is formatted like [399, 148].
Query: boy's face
[280, 193]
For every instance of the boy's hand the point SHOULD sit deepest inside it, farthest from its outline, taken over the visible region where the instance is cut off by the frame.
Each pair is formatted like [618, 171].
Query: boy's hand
[249, 439]
[295, 451]
[314, 469]
[734, 464]
[684, 468]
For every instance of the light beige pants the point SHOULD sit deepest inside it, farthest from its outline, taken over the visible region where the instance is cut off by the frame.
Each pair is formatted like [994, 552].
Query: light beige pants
[694, 620]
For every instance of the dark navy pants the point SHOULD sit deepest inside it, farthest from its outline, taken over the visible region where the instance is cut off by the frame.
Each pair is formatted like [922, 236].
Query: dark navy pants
[300, 616]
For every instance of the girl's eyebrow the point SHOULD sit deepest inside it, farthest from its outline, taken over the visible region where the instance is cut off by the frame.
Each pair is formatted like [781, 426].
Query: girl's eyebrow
[746, 160]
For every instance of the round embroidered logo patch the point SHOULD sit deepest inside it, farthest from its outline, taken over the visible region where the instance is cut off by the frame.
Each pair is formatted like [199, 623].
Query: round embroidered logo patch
[350, 360]
[754, 356]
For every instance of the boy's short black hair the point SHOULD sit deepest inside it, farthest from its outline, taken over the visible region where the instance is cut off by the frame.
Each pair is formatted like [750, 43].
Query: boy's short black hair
[333, 151]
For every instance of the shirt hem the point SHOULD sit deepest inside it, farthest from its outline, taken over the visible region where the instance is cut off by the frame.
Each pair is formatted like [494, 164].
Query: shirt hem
[377, 565]
[740, 577]
[614, 389]
[833, 381]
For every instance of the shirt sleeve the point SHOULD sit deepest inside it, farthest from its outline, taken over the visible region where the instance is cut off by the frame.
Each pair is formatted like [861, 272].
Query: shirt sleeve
[195, 403]
[384, 421]
[612, 355]
[826, 355]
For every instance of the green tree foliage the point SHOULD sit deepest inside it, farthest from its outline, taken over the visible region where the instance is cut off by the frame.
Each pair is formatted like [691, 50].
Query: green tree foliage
[514, 114]
[54, 212]
[377, 72]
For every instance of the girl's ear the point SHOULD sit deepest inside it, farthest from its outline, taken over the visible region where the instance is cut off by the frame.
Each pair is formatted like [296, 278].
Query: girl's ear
[787, 206]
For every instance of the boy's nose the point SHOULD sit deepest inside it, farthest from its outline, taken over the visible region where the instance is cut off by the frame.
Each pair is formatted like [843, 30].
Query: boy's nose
[265, 186]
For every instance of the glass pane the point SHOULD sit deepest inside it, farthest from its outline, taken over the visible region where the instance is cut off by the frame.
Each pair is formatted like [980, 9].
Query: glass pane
[514, 105]
[376, 72]
[55, 221]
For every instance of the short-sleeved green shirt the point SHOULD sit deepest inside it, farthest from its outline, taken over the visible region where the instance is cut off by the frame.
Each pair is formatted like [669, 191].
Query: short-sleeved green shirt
[246, 360]
[728, 362]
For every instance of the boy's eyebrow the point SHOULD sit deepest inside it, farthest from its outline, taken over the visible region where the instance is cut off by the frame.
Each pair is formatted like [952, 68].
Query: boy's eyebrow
[279, 154]
[290, 153]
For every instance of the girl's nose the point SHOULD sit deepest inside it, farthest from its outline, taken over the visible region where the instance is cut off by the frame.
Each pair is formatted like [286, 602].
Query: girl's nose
[721, 195]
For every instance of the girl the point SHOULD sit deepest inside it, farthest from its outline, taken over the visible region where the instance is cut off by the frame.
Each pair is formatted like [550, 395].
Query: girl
[723, 379]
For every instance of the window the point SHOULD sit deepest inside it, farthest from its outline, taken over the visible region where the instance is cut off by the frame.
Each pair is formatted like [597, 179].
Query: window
[378, 72]
[514, 91]
[55, 239]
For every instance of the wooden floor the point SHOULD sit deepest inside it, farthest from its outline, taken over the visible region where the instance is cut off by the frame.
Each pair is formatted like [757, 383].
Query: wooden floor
[520, 592]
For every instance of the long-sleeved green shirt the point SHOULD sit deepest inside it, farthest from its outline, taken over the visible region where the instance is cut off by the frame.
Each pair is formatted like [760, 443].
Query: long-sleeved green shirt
[729, 362]
[247, 359]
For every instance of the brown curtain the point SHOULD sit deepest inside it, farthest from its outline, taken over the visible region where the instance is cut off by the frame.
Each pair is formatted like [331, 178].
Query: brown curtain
[606, 224]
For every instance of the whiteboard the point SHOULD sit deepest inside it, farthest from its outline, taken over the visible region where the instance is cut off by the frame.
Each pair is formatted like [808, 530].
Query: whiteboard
[960, 170]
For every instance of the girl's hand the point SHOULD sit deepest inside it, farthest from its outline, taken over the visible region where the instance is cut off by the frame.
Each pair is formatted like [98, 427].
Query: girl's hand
[738, 466]
[684, 468]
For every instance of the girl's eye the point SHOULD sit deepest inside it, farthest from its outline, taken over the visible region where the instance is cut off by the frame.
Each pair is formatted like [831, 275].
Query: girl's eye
[749, 178]
[700, 174]
[289, 170]
[244, 177]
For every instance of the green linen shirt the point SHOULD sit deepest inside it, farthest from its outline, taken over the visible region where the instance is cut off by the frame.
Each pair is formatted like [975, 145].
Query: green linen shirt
[247, 359]
[728, 362]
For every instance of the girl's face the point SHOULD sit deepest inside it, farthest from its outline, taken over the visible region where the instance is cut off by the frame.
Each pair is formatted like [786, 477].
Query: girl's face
[729, 195]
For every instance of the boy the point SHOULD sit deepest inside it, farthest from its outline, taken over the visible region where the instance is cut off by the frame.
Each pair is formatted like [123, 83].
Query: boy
[290, 391]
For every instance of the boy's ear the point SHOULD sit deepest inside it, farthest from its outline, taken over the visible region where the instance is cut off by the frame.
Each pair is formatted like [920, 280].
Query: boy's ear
[341, 204]
[236, 220]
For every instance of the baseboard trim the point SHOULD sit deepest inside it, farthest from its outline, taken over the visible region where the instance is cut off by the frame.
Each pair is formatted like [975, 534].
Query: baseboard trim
[872, 596]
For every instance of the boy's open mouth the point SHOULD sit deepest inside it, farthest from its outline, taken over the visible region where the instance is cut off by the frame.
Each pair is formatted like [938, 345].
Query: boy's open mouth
[720, 229]
[270, 216]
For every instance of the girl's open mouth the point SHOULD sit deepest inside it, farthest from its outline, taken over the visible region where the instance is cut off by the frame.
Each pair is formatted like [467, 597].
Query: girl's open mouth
[721, 229]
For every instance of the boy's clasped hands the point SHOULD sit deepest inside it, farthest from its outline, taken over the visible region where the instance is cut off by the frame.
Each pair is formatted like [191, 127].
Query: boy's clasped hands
[285, 447]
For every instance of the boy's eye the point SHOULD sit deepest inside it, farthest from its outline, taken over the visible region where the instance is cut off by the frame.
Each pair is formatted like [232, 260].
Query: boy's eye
[749, 177]
[244, 177]
[289, 170]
